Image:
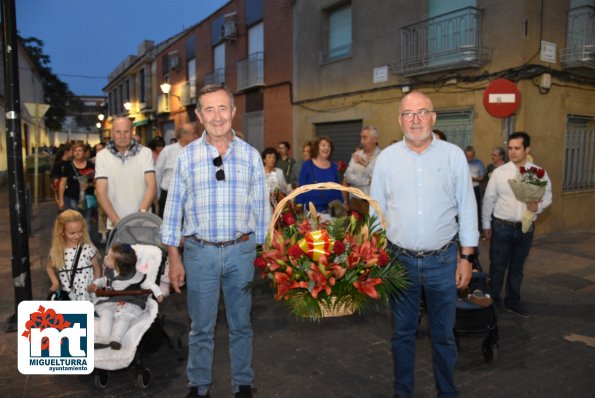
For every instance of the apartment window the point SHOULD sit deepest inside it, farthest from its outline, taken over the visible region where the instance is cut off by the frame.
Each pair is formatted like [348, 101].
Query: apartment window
[141, 85]
[579, 154]
[344, 134]
[339, 34]
[457, 126]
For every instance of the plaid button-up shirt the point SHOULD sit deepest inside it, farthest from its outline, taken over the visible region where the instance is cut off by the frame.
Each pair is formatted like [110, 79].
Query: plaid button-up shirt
[199, 205]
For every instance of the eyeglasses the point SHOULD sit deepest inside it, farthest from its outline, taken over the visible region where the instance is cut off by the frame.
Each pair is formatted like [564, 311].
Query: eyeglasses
[220, 174]
[422, 114]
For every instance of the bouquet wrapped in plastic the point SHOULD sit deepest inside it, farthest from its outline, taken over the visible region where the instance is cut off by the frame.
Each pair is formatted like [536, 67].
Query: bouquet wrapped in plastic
[528, 186]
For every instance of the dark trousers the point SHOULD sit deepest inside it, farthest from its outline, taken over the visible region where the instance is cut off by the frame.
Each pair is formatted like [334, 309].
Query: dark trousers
[509, 248]
[162, 200]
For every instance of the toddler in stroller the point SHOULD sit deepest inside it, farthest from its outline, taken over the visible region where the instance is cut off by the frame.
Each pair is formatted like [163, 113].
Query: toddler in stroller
[118, 312]
[140, 232]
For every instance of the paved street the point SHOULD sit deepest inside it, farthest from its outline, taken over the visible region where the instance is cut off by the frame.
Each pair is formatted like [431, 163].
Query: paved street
[350, 356]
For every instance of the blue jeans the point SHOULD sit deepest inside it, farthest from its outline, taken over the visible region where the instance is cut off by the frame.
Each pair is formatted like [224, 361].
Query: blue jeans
[436, 274]
[210, 269]
[72, 203]
[509, 248]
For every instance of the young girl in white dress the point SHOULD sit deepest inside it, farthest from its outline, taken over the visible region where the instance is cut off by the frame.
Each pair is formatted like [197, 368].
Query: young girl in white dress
[70, 235]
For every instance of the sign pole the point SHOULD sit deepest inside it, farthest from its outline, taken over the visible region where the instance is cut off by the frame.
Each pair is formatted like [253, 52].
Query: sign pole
[36, 111]
[21, 274]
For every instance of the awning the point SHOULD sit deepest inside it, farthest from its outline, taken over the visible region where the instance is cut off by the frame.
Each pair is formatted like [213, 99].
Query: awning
[141, 122]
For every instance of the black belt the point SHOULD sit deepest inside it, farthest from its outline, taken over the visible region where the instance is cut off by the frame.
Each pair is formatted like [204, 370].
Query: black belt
[420, 254]
[516, 224]
[242, 238]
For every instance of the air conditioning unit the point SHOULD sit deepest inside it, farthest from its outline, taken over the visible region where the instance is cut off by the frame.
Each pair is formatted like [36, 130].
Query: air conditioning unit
[174, 61]
[229, 29]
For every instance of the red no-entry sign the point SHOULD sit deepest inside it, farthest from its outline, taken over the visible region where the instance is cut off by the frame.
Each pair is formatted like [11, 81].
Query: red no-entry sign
[501, 98]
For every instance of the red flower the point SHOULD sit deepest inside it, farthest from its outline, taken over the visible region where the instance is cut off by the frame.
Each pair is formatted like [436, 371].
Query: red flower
[382, 259]
[338, 247]
[260, 262]
[522, 170]
[341, 166]
[366, 286]
[533, 170]
[295, 251]
[320, 282]
[540, 173]
[288, 218]
[285, 284]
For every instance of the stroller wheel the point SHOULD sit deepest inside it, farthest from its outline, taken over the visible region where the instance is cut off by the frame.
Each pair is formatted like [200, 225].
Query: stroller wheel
[101, 378]
[144, 378]
[489, 350]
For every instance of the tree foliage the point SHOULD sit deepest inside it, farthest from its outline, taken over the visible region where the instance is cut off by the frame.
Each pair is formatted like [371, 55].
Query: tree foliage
[56, 92]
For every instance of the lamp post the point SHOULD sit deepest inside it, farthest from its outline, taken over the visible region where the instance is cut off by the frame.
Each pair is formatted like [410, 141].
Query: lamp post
[36, 111]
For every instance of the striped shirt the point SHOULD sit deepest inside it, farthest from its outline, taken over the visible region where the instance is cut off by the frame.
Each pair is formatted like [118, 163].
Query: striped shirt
[212, 210]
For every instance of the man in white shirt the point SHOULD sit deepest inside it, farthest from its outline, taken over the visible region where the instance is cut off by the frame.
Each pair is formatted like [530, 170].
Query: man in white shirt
[124, 174]
[501, 219]
[166, 162]
[361, 167]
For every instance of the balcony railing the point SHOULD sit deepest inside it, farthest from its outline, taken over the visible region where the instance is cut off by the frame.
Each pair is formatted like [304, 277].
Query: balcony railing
[215, 77]
[445, 42]
[188, 96]
[251, 71]
[580, 39]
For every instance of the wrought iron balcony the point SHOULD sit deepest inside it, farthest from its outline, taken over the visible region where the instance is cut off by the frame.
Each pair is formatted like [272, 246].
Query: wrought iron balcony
[188, 96]
[251, 71]
[445, 42]
[215, 77]
[580, 39]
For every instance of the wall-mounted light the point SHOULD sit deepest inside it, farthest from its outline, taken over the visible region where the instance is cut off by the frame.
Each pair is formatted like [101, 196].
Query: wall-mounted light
[101, 116]
[165, 87]
[98, 125]
[127, 105]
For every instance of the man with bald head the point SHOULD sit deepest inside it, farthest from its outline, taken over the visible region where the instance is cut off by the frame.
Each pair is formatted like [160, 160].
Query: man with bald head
[423, 186]
[124, 174]
[166, 162]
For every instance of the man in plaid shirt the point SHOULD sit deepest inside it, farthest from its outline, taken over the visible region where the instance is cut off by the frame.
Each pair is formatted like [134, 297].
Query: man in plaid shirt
[217, 202]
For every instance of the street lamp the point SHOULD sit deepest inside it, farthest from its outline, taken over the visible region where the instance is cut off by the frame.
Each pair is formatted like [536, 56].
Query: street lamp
[98, 125]
[101, 116]
[127, 106]
[165, 87]
[36, 111]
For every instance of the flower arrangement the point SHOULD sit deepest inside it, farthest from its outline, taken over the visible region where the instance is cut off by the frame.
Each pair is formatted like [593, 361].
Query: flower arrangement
[528, 186]
[321, 268]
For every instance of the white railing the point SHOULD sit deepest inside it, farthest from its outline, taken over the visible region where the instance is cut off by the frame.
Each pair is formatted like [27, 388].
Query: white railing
[447, 41]
[251, 71]
[580, 39]
[215, 77]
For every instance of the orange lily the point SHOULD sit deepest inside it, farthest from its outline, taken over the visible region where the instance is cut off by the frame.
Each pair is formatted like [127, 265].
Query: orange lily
[366, 286]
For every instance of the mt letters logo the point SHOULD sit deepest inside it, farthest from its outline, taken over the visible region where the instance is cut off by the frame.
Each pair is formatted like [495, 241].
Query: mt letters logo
[56, 337]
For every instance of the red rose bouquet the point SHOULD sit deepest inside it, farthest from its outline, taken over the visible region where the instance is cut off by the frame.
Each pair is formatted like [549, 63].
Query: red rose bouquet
[528, 186]
[321, 268]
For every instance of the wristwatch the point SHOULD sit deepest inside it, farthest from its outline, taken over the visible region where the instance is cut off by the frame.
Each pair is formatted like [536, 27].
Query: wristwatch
[469, 257]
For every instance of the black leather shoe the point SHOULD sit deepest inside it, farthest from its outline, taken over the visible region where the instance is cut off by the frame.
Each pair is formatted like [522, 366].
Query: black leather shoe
[245, 392]
[193, 393]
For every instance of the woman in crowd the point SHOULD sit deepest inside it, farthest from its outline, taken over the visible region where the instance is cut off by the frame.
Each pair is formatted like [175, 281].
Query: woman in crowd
[61, 158]
[274, 176]
[77, 183]
[320, 169]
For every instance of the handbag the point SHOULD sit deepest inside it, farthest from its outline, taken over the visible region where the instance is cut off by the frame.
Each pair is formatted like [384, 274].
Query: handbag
[90, 201]
[62, 295]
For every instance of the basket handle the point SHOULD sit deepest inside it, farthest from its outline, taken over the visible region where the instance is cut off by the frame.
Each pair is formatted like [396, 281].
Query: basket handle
[320, 187]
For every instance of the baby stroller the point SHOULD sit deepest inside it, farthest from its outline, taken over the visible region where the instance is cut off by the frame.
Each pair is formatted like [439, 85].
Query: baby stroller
[141, 231]
[475, 318]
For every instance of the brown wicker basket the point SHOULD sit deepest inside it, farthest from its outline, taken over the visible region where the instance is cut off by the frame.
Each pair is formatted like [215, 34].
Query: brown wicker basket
[331, 310]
